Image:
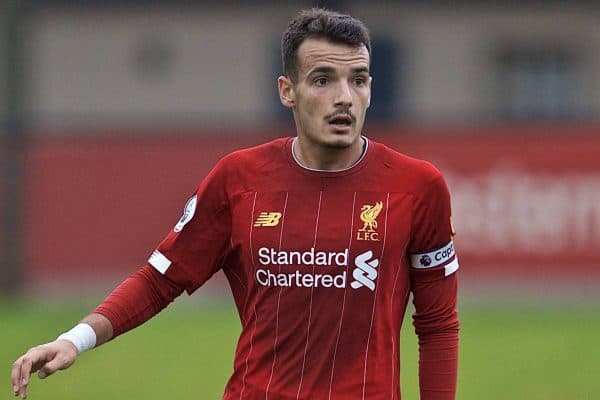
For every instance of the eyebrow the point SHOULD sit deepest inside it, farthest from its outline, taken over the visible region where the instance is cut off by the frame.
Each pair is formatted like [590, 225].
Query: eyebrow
[324, 70]
[360, 70]
[331, 70]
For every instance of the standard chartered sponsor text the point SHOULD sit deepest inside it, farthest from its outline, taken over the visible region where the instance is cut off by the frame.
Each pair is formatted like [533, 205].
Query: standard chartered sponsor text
[299, 279]
[270, 256]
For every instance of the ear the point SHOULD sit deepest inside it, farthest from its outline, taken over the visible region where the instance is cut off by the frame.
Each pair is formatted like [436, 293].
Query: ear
[370, 83]
[286, 92]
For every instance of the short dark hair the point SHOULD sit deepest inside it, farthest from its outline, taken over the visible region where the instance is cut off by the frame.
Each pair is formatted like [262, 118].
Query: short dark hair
[320, 23]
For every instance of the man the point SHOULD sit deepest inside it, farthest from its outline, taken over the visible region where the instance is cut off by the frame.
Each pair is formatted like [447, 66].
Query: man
[322, 238]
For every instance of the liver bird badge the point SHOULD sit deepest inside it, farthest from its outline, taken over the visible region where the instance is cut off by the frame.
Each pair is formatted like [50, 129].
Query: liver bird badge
[369, 216]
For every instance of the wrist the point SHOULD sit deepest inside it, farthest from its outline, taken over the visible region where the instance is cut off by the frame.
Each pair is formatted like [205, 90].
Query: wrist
[82, 336]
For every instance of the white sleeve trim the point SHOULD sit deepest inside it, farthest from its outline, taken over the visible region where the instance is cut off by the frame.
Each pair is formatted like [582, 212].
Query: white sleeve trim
[451, 268]
[159, 262]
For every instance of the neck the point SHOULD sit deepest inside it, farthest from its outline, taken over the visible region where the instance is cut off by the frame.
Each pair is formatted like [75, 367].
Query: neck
[322, 158]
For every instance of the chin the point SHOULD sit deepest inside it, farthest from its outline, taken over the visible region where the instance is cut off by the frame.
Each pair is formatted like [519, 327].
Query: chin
[340, 142]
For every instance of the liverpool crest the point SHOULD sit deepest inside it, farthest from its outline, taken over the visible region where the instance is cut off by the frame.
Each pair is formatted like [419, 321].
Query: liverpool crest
[368, 216]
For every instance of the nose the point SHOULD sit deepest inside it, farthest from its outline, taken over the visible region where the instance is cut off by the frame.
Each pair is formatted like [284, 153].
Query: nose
[343, 95]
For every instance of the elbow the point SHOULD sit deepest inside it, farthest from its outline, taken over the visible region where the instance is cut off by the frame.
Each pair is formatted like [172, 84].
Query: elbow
[440, 325]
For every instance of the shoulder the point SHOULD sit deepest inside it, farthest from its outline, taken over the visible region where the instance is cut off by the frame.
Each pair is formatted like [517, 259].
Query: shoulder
[252, 159]
[255, 156]
[408, 173]
[238, 168]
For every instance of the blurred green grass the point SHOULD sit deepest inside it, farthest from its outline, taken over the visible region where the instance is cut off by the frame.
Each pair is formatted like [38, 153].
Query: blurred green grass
[507, 352]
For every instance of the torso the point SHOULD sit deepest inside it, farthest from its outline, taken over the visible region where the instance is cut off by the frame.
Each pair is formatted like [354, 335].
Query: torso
[319, 271]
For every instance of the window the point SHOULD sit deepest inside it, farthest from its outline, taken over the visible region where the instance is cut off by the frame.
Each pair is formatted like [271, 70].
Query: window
[386, 102]
[537, 82]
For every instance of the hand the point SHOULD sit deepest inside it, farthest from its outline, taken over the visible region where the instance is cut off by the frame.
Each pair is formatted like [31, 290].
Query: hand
[47, 359]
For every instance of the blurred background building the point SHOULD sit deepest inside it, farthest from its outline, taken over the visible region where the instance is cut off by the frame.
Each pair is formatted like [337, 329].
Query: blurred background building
[122, 62]
[114, 110]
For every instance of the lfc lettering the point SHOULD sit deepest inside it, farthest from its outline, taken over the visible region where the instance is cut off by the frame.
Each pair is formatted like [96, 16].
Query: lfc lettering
[362, 235]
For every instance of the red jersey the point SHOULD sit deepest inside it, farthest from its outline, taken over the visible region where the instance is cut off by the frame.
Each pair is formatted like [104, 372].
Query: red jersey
[321, 265]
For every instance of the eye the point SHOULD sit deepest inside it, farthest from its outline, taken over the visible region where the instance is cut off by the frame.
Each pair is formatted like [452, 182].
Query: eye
[360, 80]
[321, 81]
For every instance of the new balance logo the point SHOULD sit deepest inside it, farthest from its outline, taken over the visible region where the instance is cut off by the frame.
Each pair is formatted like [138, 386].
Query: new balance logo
[268, 219]
[365, 273]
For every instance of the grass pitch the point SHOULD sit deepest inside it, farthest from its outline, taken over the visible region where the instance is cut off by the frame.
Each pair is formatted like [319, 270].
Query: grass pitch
[511, 352]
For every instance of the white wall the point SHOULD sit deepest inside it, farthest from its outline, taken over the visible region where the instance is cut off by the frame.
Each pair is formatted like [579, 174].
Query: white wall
[83, 60]
[450, 50]
[83, 64]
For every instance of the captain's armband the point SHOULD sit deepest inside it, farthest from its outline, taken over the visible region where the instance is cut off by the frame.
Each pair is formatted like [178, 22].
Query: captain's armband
[444, 256]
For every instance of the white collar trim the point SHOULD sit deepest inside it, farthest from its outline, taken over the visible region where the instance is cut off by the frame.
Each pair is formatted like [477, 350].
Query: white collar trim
[364, 153]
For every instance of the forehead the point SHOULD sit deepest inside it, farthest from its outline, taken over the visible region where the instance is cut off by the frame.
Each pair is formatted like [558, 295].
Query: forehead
[314, 53]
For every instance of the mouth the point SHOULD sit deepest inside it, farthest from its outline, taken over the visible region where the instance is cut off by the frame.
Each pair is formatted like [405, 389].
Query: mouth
[341, 121]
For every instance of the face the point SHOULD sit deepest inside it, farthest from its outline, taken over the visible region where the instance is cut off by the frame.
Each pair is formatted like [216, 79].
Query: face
[331, 94]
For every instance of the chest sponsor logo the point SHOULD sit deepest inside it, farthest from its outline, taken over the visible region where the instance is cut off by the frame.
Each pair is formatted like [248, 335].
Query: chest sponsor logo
[364, 272]
[268, 219]
[368, 216]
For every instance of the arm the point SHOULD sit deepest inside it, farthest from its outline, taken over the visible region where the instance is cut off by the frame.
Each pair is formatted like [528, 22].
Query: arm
[133, 302]
[433, 281]
[188, 256]
[53, 356]
[436, 325]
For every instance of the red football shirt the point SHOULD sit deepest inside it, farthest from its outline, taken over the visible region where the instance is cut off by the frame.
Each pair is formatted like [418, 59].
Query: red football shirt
[321, 265]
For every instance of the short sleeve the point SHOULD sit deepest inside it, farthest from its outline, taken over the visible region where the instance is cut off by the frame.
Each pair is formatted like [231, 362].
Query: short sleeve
[196, 246]
[432, 247]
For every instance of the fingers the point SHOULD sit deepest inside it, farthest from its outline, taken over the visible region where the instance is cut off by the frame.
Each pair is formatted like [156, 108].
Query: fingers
[57, 363]
[47, 358]
[20, 375]
[27, 364]
[15, 375]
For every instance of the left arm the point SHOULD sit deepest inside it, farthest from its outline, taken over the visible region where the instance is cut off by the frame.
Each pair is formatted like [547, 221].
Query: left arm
[436, 325]
[434, 283]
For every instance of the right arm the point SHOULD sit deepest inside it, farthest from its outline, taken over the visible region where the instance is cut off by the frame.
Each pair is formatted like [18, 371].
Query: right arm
[137, 299]
[188, 256]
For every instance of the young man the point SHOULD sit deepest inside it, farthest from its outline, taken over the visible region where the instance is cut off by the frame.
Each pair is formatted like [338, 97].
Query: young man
[322, 238]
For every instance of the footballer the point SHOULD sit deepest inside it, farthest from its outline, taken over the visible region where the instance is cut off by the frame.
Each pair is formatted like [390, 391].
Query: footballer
[322, 236]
